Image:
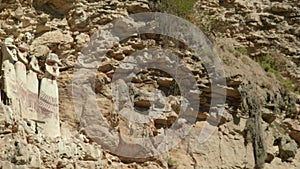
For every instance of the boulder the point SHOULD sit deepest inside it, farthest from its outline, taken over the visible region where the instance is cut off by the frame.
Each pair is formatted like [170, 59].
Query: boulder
[287, 148]
[281, 8]
[294, 129]
[55, 7]
[137, 7]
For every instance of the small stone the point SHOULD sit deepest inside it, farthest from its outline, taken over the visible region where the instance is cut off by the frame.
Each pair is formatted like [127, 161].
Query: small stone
[6, 165]
[106, 67]
[281, 8]
[252, 17]
[287, 148]
[137, 7]
[92, 153]
[268, 116]
[165, 82]
[294, 129]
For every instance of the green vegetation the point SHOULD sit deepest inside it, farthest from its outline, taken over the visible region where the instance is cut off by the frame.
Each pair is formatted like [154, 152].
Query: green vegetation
[245, 59]
[182, 8]
[241, 50]
[172, 164]
[274, 65]
[211, 26]
[288, 84]
[269, 64]
[264, 84]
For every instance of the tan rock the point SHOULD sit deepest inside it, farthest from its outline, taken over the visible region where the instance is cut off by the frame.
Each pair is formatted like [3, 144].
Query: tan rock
[280, 8]
[7, 164]
[40, 51]
[57, 40]
[79, 19]
[96, 126]
[55, 37]
[106, 67]
[253, 17]
[294, 128]
[59, 7]
[287, 148]
[92, 153]
[35, 160]
[137, 7]
[165, 82]
[218, 147]
[82, 40]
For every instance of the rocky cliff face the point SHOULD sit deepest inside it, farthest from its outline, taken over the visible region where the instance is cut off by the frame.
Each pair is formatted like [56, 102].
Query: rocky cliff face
[261, 28]
[258, 127]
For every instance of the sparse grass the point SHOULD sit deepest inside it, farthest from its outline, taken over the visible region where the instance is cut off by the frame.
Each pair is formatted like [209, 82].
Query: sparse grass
[271, 65]
[288, 84]
[210, 25]
[264, 84]
[245, 59]
[182, 8]
[241, 50]
[172, 164]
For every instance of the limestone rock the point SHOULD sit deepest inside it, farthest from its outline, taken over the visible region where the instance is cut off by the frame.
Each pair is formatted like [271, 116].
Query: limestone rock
[81, 40]
[57, 40]
[137, 7]
[40, 51]
[287, 148]
[165, 82]
[281, 8]
[92, 153]
[268, 116]
[54, 6]
[294, 129]
[79, 19]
